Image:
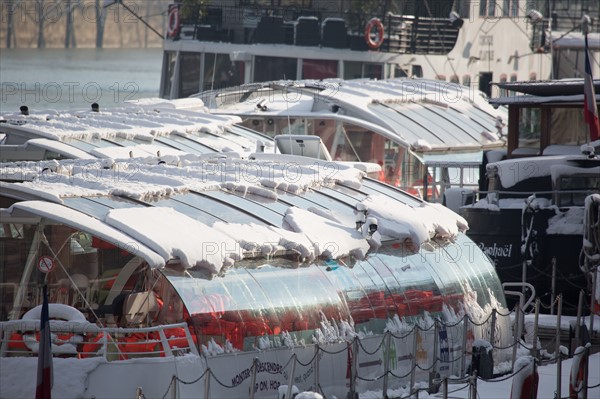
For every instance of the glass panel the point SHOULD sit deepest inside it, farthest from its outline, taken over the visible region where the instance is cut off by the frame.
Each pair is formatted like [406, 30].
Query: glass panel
[371, 186]
[116, 202]
[86, 270]
[184, 144]
[352, 70]
[190, 74]
[169, 68]
[222, 72]
[567, 126]
[373, 71]
[195, 213]
[253, 208]
[214, 207]
[319, 69]
[274, 68]
[88, 207]
[529, 127]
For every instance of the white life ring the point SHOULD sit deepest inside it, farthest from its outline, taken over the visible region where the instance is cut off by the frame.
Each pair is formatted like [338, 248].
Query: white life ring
[374, 43]
[173, 24]
[61, 343]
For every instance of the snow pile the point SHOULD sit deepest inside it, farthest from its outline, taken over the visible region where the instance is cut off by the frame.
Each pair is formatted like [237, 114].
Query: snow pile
[195, 243]
[569, 222]
[328, 238]
[418, 224]
[267, 240]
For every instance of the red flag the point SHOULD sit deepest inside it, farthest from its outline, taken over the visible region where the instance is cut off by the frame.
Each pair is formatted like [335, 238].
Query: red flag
[45, 377]
[590, 110]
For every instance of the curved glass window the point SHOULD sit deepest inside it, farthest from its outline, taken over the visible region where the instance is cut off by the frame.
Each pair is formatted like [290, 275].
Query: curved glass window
[260, 211]
[98, 207]
[260, 298]
[184, 144]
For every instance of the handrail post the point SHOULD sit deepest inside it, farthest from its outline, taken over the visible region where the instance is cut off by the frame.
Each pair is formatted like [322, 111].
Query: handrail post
[207, 384]
[174, 394]
[436, 359]
[288, 395]
[386, 363]
[253, 377]
[493, 328]
[558, 353]
[463, 362]
[414, 359]
[517, 333]
[534, 351]
[473, 385]
[317, 368]
[586, 371]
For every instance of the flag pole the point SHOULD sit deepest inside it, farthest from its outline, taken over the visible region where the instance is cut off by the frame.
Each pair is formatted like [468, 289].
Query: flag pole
[45, 377]
[590, 109]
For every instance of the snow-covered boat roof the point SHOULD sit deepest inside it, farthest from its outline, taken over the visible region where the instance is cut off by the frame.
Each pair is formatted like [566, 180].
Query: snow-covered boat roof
[225, 209]
[425, 115]
[137, 129]
[563, 91]
[513, 171]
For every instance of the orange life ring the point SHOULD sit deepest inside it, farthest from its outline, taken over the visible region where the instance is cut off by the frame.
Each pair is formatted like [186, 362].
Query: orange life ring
[577, 373]
[374, 43]
[174, 23]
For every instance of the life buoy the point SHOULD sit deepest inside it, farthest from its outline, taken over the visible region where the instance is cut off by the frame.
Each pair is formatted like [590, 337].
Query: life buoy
[374, 43]
[173, 24]
[62, 343]
[577, 375]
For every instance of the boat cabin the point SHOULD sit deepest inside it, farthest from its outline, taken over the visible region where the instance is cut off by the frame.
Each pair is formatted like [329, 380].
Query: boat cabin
[400, 124]
[232, 259]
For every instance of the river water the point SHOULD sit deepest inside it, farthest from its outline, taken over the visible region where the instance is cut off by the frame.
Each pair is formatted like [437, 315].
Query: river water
[75, 78]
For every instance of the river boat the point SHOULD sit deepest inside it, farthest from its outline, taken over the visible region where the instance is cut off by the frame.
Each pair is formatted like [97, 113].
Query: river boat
[146, 127]
[538, 221]
[427, 135]
[234, 277]
[212, 45]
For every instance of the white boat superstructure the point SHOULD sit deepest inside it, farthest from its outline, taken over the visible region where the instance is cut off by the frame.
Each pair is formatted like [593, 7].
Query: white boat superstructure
[413, 128]
[231, 275]
[148, 127]
[219, 44]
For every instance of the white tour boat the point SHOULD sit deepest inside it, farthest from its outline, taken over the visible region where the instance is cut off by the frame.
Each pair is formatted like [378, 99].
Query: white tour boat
[231, 277]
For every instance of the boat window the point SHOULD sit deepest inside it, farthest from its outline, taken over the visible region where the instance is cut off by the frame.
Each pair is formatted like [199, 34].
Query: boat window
[224, 211]
[345, 198]
[371, 186]
[248, 133]
[91, 208]
[184, 144]
[276, 206]
[169, 62]
[195, 213]
[220, 72]
[330, 203]
[98, 207]
[577, 187]
[567, 126]
[88, 273]
[254, 208]
[189, 70]
[319, 69]
[90, 144]
[529, 128]
[274, 68]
